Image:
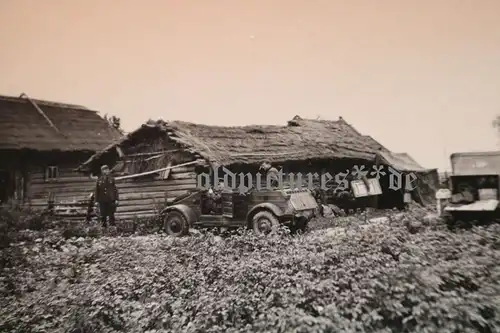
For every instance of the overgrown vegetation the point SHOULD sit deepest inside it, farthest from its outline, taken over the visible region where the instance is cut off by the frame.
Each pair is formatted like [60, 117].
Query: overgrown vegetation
[115, 122]
[405, 273]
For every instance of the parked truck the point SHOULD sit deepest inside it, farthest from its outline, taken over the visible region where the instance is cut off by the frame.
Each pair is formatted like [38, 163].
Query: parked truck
[474, 188]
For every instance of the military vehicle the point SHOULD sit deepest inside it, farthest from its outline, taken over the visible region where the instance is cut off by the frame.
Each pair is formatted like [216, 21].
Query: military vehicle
[473, 187]
[261, 210]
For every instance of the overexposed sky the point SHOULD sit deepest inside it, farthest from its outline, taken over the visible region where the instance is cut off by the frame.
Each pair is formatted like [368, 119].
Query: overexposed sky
[421, 77]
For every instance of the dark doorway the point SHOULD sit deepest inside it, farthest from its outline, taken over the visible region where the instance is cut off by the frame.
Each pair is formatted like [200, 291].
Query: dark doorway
[5, 186]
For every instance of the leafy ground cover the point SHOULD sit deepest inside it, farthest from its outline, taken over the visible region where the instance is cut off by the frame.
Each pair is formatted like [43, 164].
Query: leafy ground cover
[405, 273]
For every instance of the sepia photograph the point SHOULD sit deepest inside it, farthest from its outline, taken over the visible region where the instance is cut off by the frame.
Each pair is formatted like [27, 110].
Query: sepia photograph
[278, 166]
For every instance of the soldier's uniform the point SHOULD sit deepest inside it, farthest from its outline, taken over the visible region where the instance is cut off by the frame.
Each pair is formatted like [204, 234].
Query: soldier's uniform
[106, 195]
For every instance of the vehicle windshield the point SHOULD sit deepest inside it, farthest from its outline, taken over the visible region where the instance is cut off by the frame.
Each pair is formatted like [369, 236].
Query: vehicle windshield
[475, 164]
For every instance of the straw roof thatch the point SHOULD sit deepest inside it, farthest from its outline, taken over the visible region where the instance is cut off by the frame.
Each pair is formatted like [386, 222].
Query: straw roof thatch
[300, 140]
[338, 126]
[374, 143]
[23, 126]
[402, 162]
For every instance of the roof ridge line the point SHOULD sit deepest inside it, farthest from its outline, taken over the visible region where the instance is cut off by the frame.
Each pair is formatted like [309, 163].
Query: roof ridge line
[44, 115]
[48, 103]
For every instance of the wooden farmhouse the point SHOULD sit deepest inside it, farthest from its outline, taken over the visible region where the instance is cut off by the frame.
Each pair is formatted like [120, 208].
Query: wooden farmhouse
[41, 145]
[160, 161]
[427, 181]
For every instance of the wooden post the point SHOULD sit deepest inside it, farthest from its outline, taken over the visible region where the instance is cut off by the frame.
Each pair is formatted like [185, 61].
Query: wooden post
[27, 187]
[12, 186]
[119, 151]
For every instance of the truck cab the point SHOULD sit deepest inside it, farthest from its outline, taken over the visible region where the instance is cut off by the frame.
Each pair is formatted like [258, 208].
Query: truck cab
[474, 187]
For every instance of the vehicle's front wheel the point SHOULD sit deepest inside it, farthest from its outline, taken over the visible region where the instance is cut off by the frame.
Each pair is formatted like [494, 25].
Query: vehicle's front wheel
[265, 223]
[175, 224]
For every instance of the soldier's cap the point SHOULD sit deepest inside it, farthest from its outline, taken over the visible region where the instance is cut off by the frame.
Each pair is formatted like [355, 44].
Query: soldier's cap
[104, 167]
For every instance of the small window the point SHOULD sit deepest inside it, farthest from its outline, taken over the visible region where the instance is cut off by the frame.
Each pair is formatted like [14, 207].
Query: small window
[51, 173]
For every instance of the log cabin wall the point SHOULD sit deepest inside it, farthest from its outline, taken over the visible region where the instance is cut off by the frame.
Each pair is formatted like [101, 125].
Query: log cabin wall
[39, 177]
[141, 196]
[145, 196]
[52, 182]
[57, 183]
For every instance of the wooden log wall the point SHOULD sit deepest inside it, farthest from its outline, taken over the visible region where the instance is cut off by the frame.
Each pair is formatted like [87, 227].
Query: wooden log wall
[139, 197]
[70, 191]
[146, 196]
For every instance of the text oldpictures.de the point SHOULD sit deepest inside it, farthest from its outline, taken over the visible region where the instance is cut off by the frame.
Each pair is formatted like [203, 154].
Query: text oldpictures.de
[339, 182]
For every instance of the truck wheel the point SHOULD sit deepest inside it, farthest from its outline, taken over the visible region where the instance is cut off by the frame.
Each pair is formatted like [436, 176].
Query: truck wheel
[175, 224]
[265, 223]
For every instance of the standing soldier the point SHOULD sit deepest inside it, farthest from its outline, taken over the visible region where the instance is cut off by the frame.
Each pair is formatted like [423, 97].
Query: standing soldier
[106, 195]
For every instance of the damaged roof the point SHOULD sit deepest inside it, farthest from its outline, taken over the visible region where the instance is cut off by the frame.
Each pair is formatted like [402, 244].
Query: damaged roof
[339, 126]
[39, 125]
[300, 139]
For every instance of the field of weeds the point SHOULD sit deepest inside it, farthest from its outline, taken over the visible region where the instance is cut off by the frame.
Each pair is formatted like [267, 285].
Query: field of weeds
[404, 273]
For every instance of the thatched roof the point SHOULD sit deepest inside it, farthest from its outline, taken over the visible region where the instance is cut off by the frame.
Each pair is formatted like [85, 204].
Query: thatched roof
[374, 143]
[402, 162]
[338, 126]
[73, 128]
[300, 140]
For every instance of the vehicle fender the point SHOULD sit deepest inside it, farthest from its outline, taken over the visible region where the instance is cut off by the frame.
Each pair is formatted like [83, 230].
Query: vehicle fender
[265, 206]
[185, 210]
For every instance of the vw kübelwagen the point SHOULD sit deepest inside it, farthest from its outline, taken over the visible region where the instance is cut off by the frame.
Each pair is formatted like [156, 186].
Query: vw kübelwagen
[474, 187]
[261, 210]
